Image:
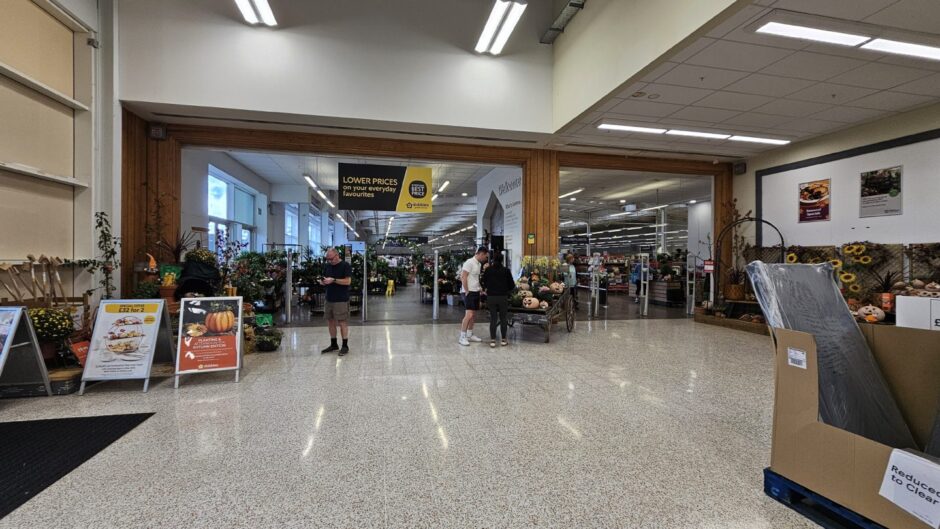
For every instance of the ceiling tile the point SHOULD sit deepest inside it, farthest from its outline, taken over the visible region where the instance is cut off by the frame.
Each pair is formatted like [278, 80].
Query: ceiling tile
[742, 17]
[645, 108]
[912, 62]
[700, 77]
[815, 66]
[879, 75]
[849, 114]
[915, 15]
[891, 101]
[707, 115]
[848, 9]
[733, 101]
[658, 72]
[607, 105]
[630, 90]
[925, 86]
[769, 85]
[812, 125]
[680, 95]
[692, 49]
[738, 56]
[755, 119]
[788, 107]
[831, 93]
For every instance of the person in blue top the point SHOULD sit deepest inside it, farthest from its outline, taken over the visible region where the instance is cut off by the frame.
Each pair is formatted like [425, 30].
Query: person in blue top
[635, 279]
[571, 278]
[337, 275]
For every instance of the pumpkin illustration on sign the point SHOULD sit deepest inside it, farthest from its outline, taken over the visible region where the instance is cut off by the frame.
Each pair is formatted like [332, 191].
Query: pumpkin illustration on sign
[220, 319]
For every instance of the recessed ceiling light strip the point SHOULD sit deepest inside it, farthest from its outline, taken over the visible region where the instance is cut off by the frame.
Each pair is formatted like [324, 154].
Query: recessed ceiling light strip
[692, 133]
[806, 33]
[904, 48]
[515, 13]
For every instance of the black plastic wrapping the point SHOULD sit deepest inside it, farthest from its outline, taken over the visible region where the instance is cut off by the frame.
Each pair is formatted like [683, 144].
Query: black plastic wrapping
[853, 394]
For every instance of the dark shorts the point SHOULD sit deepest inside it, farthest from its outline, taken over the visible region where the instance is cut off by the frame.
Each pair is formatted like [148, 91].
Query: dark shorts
[471, 300]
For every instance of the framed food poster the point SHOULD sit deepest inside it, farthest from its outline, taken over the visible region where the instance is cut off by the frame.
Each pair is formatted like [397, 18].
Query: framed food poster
[127, 337]
[880, 192]
[210, 336]
[814, 200]
[21, 362]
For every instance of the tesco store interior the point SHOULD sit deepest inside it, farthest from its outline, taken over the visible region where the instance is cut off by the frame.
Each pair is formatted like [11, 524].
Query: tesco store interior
[470, 264]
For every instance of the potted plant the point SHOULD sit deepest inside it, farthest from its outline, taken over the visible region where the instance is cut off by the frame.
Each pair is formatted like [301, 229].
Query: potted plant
[885, 283]
[108, 260]
[734, 290]
[268, 339]
[52, 327]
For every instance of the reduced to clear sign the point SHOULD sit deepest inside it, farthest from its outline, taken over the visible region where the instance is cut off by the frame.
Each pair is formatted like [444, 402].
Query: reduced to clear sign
[913, 484]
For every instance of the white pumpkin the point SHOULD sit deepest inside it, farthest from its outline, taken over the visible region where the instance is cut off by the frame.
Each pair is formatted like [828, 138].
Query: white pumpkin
[871, 313]
[933, 286]
[543, 305]
[525, 293]
[530, 303]
[557, 288]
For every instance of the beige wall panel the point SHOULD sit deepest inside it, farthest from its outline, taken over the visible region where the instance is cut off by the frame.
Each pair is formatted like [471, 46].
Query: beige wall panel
[35, 43]
[39, 215]
[35, 131]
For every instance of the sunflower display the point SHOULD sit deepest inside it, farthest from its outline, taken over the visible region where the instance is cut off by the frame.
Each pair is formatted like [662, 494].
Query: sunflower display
[849, 249]
[836, 263]
[855, 288]
[847, 277]
[792, 258]
[865, 260]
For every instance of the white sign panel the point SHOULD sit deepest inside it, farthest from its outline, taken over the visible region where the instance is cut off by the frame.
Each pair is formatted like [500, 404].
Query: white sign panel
[913, 484]
[124, 340]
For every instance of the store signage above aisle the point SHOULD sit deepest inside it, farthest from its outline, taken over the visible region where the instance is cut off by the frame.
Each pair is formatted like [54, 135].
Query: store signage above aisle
[385, 188]
[913, 484]
[575, 240]
[129, 335]
[880, 192]
[210, 336]
[21, 362]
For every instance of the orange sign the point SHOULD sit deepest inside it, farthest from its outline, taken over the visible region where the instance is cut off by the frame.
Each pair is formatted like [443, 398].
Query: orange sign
[80, 350]
[204, 353]
[209, 334]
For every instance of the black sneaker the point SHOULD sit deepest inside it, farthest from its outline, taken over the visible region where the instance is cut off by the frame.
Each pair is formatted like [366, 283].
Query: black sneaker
[344, 351]
[330, 349]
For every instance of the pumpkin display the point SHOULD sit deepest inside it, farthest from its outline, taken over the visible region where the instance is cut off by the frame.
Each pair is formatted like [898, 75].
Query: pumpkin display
[220, 321]
[544, 289]
[543, 305]
[557, 288]
[525, 293]
[933, 286]
[871, 314]
[530, 303]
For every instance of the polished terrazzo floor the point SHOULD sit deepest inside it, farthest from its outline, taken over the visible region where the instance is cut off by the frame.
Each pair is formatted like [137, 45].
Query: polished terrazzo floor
[632, 424]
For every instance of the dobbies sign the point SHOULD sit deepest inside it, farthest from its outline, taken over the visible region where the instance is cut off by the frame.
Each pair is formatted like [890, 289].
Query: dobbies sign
[385, 188]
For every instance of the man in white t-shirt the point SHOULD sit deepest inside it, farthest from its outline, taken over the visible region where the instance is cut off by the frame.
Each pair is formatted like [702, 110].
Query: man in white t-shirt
[470, 280]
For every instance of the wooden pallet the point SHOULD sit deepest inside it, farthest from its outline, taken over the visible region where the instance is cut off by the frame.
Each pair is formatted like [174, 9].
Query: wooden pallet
[819, 509]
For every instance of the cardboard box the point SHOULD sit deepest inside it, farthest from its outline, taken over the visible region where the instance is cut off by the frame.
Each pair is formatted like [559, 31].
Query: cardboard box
[844, 467]
[917, 312]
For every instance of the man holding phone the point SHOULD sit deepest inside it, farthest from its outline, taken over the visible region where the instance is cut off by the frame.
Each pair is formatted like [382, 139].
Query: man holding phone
[337, 275]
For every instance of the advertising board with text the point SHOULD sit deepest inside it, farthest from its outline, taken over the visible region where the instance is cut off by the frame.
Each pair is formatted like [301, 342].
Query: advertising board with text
[814, 200]
[126, 336]
[209, 335]
[9, 321]
[21, 362]
[385, 188]
[880, 192]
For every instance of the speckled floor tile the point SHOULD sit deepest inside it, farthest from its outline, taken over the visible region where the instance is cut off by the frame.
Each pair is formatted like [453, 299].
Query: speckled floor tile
[635, 424]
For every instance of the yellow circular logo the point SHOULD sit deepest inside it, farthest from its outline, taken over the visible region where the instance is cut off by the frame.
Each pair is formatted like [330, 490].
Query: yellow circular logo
[149, 320]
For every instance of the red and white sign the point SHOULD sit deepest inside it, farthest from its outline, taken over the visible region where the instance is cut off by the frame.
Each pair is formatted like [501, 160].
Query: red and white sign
[708, 266]
[210, 335]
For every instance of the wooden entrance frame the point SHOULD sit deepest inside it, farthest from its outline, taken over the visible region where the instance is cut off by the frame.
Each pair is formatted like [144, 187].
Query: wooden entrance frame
[151, 173]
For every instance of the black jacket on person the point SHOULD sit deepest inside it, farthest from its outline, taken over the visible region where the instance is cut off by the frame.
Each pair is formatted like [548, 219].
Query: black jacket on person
[497, 281]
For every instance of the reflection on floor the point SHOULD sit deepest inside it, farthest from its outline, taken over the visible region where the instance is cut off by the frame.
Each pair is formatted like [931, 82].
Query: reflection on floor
[406, 307]
[634, 424]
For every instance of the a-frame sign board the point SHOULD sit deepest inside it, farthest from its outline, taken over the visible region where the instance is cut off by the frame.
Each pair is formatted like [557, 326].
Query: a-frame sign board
[21, 360]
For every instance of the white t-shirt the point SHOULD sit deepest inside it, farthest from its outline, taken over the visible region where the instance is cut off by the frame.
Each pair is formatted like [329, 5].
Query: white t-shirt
[472, 267]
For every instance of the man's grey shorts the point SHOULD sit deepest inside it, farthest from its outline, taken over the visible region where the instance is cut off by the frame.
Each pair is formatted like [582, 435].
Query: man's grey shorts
[337, 310]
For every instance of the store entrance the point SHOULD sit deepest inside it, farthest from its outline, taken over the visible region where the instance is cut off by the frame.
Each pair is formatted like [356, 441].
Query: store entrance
[638, 241]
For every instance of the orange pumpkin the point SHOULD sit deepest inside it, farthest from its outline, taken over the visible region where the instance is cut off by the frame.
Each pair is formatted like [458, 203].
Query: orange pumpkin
[220, 322]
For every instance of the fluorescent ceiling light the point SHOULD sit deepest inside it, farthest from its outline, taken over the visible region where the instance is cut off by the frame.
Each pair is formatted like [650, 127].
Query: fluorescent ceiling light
[573, 199]
[752, 139]
[695, 134]
[655, 207]
[248, 12]
[492, 24]
[904, 48]
[434, 197]
[443, 186]
[623, 201]
[264, 10]
[575, 192]
[463, 194]
[330, 203]
[630, 128]
[515, 13]
[310, 181]
[323, 196]
[805, 33]
[693, 201]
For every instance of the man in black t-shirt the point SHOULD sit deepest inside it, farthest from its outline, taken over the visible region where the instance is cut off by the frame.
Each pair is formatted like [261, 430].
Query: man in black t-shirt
[337, 275]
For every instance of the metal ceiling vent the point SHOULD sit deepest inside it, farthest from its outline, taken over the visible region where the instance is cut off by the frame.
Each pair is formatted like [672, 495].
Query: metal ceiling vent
[558, 26]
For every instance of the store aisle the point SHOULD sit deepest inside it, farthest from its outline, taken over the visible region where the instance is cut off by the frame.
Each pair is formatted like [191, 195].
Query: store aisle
[639, 424]
[405, 307]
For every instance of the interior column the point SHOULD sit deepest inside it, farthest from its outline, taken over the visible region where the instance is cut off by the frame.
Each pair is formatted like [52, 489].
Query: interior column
[540, 203]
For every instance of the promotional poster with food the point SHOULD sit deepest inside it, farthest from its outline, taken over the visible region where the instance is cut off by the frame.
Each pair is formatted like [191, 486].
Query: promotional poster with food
[123, 340]
[210, 334]
[814, 200]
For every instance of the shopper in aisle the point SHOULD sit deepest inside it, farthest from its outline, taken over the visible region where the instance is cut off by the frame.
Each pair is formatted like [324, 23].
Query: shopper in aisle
[571, 279]
[635, 279]
[498, 283]
[337, 275]
[470, 279]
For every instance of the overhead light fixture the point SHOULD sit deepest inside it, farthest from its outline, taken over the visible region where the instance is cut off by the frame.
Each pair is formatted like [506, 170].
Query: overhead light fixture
[695, 134]
[904, 48]
[623, 201]
[310, 181]
[322, 195]
[573, 199]
[805, 33]
[434, 197]
[254, 11]
[693, 201]
[499, 26]
[443, 186]
[463, 194]
[630, 128]
[575, 192]
[752, 139]
[655, 207]
[330, 203]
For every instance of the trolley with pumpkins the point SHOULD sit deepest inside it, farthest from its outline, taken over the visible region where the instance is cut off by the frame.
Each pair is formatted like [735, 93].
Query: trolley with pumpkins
[543, 304]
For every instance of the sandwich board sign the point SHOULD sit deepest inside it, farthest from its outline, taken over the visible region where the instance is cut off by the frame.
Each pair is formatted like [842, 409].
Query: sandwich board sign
[129, 335]
[21, 360]
[210, 336]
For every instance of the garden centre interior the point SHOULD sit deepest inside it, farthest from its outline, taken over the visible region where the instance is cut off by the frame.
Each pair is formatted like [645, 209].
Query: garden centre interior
[718, 217]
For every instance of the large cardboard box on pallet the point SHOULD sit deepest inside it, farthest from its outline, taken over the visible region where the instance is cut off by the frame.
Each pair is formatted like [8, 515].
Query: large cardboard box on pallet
[844, 467]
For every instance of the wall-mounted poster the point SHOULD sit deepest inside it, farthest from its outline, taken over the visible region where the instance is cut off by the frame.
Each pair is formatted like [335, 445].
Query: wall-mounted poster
[385, 188]
[210, 335]
[881, 192]
[815, 200]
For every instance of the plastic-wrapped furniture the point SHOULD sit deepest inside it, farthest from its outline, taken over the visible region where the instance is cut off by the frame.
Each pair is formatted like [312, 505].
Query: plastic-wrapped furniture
[853, 394]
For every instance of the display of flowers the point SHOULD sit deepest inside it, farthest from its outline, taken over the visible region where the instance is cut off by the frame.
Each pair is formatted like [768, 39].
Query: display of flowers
[51, 325]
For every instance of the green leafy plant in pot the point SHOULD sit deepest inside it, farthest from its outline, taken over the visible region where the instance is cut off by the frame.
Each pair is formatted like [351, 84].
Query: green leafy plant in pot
[268, 339]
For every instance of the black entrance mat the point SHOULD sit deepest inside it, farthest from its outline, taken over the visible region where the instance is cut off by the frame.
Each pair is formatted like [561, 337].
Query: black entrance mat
[35, 454]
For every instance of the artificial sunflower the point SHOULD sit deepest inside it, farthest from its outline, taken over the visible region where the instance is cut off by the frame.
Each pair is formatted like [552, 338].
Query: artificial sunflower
[792, 258]
[836, 263]
[855, 289]
[847, 277]
[849, 249]
[860, 249]
[865, 259]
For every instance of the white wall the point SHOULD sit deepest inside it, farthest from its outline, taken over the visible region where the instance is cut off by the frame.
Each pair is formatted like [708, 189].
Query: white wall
[506, 184]
[406, 61]
[700, 228]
